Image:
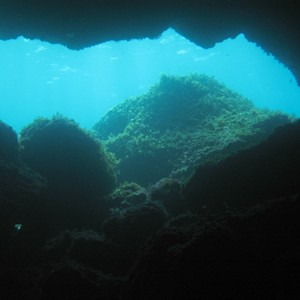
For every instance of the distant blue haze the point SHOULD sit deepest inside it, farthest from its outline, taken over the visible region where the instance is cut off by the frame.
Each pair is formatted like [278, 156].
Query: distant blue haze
[40, 79]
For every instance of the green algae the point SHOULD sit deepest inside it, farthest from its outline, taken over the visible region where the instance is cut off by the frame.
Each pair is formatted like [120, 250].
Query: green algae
[73, 160]
[179, 123]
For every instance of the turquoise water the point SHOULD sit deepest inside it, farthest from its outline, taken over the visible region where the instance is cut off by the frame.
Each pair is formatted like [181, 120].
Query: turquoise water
[40, 79]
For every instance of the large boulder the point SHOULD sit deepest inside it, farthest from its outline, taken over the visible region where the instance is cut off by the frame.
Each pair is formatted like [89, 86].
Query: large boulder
[267, 171]
[180, 123]
[71, 159]
[78, 171]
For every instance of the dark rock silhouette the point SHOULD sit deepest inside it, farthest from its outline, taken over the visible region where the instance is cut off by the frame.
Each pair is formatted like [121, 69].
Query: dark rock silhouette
[168, 192]
[133, 226]
[79, 24]
[9, 148]
[246, 256]
[22, 192]
[78, 171]
[269, 170]
[242, 251]
[253, 255]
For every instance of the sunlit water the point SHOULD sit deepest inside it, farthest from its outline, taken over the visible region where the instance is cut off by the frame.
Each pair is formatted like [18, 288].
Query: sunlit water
[40, 79]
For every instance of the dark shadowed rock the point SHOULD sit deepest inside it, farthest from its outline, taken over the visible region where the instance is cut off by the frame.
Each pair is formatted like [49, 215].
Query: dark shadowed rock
[267, 171]
[168, 192]
[91, 250]
[250, 256]
[22, 197]
[78, 171]
[133, 226]
[71, 159]
[9, 148]
[79, 24]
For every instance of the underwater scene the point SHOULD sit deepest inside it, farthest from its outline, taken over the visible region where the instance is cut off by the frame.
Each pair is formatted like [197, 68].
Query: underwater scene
[134, 160]
[39, 79]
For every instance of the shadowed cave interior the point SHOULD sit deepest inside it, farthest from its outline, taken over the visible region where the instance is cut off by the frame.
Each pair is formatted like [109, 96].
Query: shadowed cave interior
[220, 219]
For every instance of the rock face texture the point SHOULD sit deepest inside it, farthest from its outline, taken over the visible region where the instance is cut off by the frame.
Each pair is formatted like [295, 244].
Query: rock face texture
[270, 169]
[180, 123]
[273, 24]
[75, 165]
[249, 255]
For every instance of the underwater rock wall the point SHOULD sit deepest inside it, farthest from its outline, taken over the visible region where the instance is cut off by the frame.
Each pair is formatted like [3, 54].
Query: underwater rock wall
[180, 123]
[156, 243]
[78, 171]
[273, 24]
[267, 171]
[23, 198]
[244, 256]
[70, 158]
[58, 179]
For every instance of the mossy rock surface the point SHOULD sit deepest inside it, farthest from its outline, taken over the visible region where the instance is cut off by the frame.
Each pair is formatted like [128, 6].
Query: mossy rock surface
[267, 171]
[73, 161]
[180, 123]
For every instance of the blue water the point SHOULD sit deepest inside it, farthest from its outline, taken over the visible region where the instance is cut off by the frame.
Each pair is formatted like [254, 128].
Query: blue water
[40, 79]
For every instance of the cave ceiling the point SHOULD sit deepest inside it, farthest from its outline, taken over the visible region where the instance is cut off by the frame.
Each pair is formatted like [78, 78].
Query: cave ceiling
[273, 24]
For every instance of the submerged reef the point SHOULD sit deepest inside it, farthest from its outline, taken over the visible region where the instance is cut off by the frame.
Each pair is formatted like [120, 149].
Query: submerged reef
[231, 231]
[180, 123]
[71, 159]
[78, 170]
[267, 171]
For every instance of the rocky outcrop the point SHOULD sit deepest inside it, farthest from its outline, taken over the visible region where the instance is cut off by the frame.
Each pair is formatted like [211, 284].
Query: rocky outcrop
[267, 171]
[154, 244]
[78, 170]
[178, 124]
[246, 256]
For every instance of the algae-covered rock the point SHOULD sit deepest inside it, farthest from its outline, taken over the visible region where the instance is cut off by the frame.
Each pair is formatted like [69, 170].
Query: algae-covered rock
[126, 195]
[77, 169]
[22, 190]
[267, 171]
[71, 159]
[180, 123]
[168, 192]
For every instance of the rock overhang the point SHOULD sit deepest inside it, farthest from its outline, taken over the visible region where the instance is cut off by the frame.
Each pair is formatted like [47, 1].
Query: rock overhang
[273, 24]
